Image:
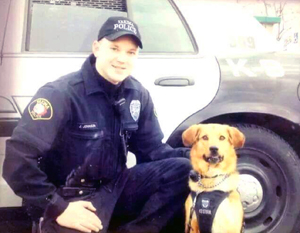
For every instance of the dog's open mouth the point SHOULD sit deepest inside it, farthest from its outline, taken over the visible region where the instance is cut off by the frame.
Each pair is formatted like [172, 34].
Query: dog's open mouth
[213, 158]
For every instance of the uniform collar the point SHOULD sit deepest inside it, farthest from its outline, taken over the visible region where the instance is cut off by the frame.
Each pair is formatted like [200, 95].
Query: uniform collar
[91, 82]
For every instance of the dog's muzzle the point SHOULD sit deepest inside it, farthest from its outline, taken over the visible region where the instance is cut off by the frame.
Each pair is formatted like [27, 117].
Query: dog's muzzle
[213, 159]
[214, 156]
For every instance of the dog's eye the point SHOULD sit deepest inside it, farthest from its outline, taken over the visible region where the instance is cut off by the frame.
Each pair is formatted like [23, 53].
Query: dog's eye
[205, 138]
[222, 138]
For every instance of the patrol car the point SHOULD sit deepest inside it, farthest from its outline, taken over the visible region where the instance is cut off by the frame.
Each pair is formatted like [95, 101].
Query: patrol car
[202, 63]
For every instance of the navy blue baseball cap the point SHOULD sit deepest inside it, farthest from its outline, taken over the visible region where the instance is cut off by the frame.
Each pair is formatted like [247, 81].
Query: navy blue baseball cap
[115, 27]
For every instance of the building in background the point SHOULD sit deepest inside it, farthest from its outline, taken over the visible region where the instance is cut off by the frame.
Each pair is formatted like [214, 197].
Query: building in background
[280, 17]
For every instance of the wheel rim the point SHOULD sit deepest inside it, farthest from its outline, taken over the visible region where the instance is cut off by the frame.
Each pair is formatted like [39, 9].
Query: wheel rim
[263, 189]
[251, 192]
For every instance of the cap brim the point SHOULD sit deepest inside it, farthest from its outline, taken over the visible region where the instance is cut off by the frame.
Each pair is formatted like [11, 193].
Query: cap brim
[116, 35]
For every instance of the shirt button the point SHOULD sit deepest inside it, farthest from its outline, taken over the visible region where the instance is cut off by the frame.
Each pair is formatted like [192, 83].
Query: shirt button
[82, 180]
[49, 198]
[80, 192]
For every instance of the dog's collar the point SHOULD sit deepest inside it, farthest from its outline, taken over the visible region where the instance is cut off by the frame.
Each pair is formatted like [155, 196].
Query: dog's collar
[211, 177]
[225, 176]
[196, 177]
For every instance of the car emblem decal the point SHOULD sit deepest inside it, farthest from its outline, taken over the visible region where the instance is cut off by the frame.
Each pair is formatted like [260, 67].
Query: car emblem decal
[40, 109]
[135, 107]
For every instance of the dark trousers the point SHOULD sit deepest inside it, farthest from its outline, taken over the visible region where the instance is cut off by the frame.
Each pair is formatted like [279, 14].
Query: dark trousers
[152, 200]
[153, 196]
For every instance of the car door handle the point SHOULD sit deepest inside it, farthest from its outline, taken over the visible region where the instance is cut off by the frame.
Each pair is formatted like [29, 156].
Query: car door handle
[175, 81]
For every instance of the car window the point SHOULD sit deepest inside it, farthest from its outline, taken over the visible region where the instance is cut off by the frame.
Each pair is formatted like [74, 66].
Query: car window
[67, 28]
[4, 6]
[74, 26]
[161, 28]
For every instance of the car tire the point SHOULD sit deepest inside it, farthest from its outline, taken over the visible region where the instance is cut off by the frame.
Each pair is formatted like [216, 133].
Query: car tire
[270, 182]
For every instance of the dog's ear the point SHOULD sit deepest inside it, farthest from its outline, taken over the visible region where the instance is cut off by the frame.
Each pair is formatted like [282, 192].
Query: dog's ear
[237, 138]
[190, 135]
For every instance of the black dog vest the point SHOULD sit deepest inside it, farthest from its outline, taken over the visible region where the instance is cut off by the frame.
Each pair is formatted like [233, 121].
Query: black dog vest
[206, 207]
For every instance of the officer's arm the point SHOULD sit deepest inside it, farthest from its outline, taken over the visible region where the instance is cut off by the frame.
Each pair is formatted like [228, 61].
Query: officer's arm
[46, 114]
[146, 143]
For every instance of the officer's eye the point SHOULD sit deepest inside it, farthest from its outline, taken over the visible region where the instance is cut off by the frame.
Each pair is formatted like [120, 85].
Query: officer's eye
[222, 138]
[131, 53]
[113, 48]
[205, 137]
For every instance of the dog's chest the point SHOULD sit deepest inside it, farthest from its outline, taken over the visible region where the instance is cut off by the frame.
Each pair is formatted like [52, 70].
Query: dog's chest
[206, 206]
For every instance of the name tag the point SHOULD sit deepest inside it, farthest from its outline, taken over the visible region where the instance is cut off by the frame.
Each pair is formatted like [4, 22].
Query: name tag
[88, 126]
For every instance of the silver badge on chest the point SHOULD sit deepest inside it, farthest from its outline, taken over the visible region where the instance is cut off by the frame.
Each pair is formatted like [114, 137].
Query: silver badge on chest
[135, 108]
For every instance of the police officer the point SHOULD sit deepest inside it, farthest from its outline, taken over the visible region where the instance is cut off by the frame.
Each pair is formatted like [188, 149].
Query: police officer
[67, 156]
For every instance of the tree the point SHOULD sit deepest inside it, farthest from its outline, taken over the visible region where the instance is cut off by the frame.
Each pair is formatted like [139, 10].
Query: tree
[278, 8]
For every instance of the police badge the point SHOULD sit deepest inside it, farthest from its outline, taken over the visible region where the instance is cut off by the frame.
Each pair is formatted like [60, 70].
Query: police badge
[205, 202]
[135, 108]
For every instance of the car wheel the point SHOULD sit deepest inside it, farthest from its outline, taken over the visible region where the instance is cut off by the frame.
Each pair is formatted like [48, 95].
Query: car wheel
[270, 182]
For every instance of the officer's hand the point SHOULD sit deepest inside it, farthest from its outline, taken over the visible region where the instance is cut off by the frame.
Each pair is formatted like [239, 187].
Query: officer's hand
[80, 215]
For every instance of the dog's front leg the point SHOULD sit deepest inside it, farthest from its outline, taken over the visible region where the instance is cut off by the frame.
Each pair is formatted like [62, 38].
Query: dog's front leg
[195, 226]
[188, 205]
[191, 223]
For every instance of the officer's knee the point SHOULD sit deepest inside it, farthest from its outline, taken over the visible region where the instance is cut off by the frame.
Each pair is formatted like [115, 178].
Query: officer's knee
[179, 167]
[176, 178]
[183, 164]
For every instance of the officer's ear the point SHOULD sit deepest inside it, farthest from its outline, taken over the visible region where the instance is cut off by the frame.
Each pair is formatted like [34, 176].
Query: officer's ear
[96, 47]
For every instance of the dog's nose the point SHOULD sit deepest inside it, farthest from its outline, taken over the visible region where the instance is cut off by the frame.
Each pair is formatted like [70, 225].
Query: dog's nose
[213, 149]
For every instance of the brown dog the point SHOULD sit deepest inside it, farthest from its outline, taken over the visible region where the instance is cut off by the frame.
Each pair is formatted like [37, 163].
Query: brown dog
[213, 182]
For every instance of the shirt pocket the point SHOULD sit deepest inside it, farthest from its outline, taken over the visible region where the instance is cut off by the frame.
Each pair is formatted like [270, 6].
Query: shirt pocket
[94, 151]
[79, 144]
[87, 134]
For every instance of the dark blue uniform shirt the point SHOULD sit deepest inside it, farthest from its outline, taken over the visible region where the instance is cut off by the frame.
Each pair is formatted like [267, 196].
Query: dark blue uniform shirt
[71, 118]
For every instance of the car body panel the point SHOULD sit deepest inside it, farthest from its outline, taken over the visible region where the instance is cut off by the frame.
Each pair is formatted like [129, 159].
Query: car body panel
[269, 89]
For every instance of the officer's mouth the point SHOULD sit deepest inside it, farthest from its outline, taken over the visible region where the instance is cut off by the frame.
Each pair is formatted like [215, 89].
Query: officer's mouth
[119, 67]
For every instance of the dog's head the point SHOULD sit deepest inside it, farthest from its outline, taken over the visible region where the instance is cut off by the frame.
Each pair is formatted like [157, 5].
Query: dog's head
[213, 145]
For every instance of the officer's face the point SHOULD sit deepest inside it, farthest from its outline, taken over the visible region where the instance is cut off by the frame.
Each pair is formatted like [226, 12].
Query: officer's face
[115, 59]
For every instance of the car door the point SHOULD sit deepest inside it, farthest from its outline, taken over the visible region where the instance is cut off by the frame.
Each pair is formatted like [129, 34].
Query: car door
[180, 81]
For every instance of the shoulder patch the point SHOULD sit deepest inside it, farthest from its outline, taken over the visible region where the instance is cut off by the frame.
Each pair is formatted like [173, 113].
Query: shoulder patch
[40, 109]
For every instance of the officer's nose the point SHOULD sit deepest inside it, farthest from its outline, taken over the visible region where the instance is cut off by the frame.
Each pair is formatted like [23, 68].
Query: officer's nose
[122, 57]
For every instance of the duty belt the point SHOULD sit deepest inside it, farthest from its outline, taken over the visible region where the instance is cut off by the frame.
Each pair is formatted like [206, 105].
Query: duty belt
[75, 191]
